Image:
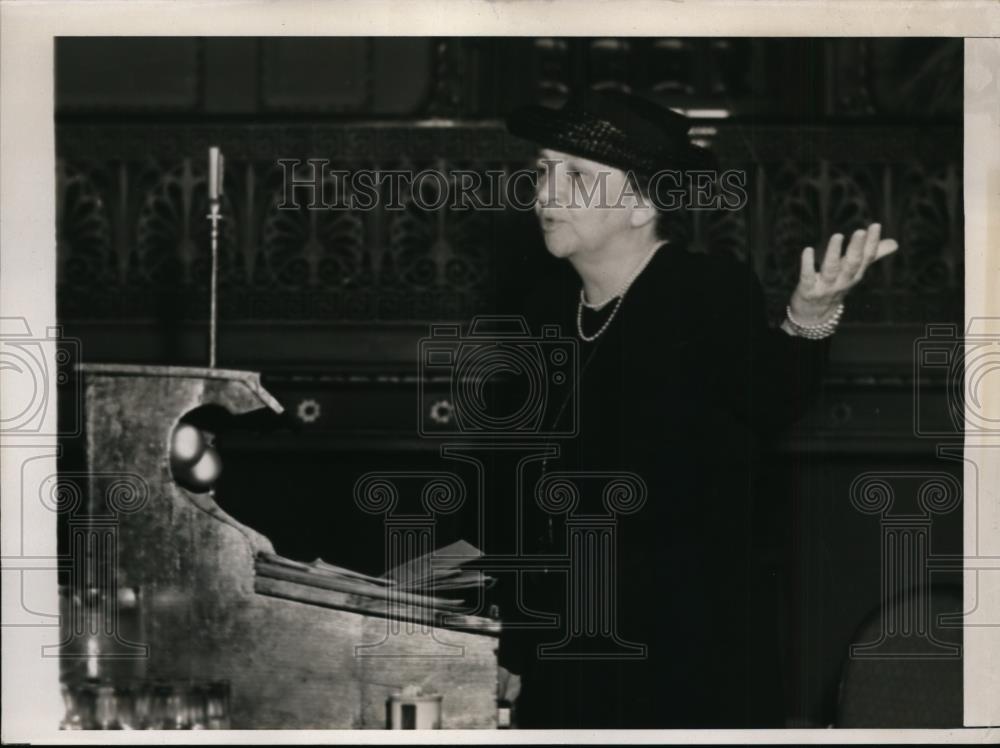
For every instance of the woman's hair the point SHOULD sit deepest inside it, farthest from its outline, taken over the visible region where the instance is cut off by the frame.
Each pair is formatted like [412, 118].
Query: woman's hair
[672, 224]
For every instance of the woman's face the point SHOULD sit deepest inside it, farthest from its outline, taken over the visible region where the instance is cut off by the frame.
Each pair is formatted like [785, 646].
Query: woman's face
[582, 205]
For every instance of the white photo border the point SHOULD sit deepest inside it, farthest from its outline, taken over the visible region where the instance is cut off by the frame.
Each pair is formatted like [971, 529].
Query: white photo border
[32, 705]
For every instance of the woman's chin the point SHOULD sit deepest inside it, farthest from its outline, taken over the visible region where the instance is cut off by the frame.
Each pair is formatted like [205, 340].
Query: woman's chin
[559, 249]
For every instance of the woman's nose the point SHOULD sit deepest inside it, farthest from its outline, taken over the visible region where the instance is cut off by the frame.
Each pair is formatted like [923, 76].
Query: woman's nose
[547, 187]
[541, 188]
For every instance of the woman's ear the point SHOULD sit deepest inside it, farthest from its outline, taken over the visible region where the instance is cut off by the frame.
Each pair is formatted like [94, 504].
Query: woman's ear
[642, 213]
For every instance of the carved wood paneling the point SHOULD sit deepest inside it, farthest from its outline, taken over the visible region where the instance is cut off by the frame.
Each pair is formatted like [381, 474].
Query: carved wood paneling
[133, 241]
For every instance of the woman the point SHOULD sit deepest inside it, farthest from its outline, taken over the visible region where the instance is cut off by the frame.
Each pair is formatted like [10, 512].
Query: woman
[681, 379]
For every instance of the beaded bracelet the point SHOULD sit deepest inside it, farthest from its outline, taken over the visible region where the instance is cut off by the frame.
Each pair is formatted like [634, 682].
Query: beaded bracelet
[815, 332]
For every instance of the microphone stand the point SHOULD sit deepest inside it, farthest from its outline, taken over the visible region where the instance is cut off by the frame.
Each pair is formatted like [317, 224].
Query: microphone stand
[215, 215]
[215, 166]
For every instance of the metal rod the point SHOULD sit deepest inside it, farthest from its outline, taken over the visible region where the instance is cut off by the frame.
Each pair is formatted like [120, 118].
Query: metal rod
[213, 313]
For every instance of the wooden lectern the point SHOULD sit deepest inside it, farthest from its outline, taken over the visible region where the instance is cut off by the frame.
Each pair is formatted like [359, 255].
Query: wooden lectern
[295, 655]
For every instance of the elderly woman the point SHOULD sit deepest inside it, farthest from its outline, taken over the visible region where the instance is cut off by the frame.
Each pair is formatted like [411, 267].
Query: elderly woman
[680, 379]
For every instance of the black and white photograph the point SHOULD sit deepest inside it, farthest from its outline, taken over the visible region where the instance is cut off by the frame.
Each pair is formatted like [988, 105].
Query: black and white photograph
[506, 382]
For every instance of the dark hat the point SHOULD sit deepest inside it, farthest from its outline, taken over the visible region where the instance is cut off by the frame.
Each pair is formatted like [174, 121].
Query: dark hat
[615, 128]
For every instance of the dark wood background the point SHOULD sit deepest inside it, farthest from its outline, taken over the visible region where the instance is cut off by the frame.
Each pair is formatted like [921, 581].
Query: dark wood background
[330, 305]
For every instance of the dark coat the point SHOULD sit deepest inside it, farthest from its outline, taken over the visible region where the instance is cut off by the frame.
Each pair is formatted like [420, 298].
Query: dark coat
[683, 388]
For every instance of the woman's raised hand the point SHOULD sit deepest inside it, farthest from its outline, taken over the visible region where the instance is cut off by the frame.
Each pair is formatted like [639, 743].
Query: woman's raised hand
[818, 294]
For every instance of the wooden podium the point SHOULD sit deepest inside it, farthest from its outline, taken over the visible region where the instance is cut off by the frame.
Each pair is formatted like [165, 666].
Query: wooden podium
[295, 655]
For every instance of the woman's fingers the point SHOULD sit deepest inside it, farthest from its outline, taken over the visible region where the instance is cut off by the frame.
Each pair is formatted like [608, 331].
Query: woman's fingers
[854, 256]
[831, 258]
[841, 271]
[871, 243]
[807, 266]
[885, 248]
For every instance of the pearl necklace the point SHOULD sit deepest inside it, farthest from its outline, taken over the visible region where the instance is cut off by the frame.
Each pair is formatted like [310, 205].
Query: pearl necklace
[620, 296]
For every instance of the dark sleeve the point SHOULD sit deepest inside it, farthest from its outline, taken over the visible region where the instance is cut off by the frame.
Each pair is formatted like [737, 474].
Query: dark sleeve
[768, 377]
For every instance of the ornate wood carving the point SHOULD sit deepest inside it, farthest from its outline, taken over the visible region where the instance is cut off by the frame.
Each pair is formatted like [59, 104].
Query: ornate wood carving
[133, 243]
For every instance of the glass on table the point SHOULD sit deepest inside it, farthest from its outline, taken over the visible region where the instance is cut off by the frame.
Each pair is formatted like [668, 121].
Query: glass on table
[102, 634]
[160, 705]
[144, 705]
[106, 708]
[125, 696]
[142, 697]
[217, 705]
[197, 706]
[177, 709]
[72, 718]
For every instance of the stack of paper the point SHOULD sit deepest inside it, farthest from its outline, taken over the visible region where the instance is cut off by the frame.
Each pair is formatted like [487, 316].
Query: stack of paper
[440, 571]
[429, 580]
